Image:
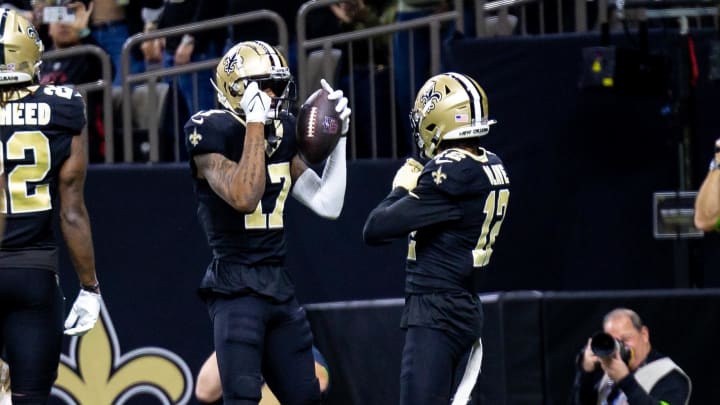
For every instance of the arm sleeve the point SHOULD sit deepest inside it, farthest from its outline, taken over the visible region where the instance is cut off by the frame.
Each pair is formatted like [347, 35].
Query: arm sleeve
[672, 389]
[401, 213]
[326, 195]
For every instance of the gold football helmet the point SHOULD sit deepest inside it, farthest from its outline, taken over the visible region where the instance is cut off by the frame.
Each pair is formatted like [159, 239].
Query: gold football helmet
[253, 61]
[21, 49]
[449, 106]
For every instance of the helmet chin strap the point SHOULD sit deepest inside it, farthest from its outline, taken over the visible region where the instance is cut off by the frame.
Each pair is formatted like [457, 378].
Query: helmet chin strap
[220, 96]
[433, 144]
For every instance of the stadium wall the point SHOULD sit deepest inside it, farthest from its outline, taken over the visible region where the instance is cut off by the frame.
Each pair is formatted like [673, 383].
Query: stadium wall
[583, 164]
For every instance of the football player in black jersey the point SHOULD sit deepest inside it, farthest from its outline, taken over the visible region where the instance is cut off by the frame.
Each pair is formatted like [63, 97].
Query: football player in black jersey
[245, 164]
[452, 210]
[43, 159]
[2, 214]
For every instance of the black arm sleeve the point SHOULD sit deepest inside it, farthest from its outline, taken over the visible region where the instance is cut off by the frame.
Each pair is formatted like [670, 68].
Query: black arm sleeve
[401, 213]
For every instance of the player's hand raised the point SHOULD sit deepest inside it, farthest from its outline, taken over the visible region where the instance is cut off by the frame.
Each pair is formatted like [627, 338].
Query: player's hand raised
[341, 106]
[255, 103]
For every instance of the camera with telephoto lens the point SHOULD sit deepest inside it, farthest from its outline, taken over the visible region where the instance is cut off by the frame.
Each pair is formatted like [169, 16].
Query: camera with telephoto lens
[603, 345]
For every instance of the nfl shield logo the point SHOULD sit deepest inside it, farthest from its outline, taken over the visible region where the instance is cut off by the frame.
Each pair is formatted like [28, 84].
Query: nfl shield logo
[330, 125]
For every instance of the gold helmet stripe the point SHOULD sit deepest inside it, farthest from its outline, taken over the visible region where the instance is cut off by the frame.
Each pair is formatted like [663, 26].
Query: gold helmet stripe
[475, 94]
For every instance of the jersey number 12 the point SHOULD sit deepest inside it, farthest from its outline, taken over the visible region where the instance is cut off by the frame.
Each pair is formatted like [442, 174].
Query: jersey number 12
[23, 194]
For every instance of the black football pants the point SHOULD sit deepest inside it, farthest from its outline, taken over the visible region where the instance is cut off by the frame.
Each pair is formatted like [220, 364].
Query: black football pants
[432, 364]
[31, 327]
[259, 340]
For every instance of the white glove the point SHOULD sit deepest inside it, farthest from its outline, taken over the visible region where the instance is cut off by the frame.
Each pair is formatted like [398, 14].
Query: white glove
[255, 103]
[341, 105]
[84, 314]
[407, 176]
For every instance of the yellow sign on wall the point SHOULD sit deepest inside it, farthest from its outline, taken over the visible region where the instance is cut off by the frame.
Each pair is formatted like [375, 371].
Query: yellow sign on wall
[96, 372]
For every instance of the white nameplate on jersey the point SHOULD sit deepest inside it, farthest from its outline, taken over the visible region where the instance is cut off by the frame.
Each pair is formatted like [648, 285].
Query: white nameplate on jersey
[496, 174]
[58, 14]
[25, 114]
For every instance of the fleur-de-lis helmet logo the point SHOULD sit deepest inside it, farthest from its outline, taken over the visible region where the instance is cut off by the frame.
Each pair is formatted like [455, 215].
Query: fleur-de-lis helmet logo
[230, 63]
[430, 97]
[96, 373]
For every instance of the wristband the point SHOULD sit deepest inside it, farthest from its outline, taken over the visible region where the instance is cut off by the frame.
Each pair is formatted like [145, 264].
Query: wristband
[95, 289]
[84, 32]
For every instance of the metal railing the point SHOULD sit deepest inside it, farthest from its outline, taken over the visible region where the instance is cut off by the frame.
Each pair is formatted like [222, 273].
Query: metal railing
[585, 17]
[151, 77]
[305, 45]
[588, 15]
[104, 85]
[502, 8]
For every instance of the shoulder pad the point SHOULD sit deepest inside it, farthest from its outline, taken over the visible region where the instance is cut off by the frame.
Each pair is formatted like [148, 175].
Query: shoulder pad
[205, 131]
[67, 106]
[457, 172]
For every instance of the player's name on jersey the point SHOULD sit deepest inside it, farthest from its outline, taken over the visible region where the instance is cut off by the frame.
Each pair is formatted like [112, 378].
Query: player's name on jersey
[496, 174]
[25, 114]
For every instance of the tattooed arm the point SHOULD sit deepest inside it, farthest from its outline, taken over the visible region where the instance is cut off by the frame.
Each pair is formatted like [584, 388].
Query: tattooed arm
[241, 184]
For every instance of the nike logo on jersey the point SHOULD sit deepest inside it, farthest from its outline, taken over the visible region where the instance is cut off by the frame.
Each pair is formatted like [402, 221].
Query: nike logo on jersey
[197, 120]
[496, 174]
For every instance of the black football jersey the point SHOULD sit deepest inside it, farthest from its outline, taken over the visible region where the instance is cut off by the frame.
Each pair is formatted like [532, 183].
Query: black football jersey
[453, 217]
[251, 239]
[36, 133]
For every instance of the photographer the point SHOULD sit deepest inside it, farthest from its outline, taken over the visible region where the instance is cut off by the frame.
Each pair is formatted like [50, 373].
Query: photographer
[631, 372]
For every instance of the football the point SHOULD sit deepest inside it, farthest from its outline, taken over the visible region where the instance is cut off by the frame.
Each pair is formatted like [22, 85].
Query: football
[318, 127]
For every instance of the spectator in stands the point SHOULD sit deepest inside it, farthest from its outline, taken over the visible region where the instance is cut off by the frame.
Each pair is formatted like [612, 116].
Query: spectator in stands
[349, 16]
[181, 50]
[707, 203]
[644, 377]
[451, 210]
[355, 15]
[114, 21]
[264, 30]
[208, 387]
[404, 89]
[78, 69]
[46, 156]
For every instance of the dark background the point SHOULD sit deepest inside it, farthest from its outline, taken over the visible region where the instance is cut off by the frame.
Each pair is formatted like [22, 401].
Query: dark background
[584, 164]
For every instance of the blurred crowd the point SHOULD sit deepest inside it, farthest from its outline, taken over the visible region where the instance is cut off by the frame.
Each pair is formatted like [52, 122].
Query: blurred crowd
[109, 23]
